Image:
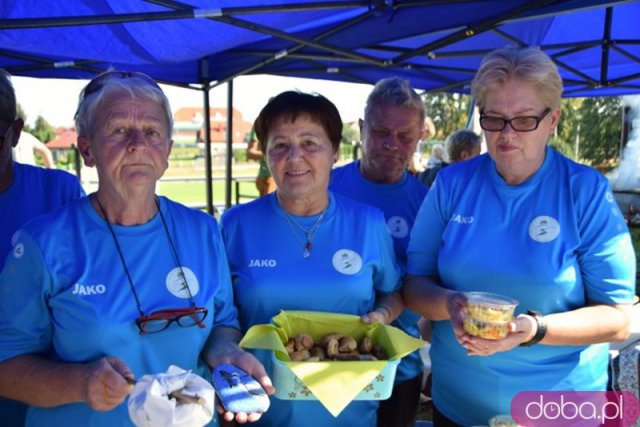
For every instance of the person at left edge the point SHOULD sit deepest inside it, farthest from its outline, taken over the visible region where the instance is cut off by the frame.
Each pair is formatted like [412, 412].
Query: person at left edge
[392, 126]
[118, 284]
[25, 192]
[306, 248]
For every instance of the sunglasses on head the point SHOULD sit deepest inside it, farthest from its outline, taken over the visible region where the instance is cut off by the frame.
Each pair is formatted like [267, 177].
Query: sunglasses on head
[98, 82]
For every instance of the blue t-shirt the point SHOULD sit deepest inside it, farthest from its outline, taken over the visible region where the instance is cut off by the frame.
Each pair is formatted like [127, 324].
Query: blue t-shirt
[555, 243]
[399, 202]
[75, 304]
[34, 191]
[351, 260]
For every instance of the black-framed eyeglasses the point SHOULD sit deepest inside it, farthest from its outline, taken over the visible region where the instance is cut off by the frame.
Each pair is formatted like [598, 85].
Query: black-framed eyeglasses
[520, 123]
[160, 320]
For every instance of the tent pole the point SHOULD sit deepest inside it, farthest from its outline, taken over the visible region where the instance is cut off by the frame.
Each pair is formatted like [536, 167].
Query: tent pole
[229, 137]
[207, 149]
[204, 79]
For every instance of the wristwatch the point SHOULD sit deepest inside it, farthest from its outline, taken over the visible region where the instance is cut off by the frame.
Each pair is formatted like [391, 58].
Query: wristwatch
[540, 331]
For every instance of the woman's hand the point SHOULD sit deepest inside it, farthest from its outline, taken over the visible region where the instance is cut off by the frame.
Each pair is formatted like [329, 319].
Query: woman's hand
[455, 305]
[106, 386]
[248, 363]
[521, 330]
[222, 348]
[387, 309]
[380, 314]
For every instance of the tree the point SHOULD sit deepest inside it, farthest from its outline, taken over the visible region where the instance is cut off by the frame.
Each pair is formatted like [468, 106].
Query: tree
[567, 139]
[43, 130]
[600, 129]
[448, 111]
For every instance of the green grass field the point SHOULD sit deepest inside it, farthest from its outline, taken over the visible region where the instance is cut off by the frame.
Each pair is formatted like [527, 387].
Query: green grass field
[194, 192]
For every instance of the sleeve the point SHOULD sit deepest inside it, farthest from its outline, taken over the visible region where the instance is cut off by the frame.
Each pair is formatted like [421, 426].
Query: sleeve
[225, 310]
[605, 254]
[25, 283]
[426, 234]
[76, 190]
[387, 275]
[66, 186]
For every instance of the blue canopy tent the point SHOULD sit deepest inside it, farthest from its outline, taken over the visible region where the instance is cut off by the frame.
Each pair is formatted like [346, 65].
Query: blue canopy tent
[204, 43]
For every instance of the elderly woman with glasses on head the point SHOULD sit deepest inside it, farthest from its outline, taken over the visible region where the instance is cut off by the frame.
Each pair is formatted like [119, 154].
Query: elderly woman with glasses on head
[118, 284]
[525, 222]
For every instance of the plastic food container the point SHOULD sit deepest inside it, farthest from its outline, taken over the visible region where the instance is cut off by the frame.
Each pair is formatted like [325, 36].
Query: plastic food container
[484, 328]
[490, 307]
[290, 387]
[488, 315]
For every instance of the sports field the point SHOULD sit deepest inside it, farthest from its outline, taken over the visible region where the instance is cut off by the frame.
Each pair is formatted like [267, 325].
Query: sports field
[184, 182]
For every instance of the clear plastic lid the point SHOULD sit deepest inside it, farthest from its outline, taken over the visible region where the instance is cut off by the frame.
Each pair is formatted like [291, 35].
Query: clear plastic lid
[491, 300]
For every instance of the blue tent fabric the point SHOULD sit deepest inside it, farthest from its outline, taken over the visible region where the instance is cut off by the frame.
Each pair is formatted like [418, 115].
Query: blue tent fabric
[437, 45]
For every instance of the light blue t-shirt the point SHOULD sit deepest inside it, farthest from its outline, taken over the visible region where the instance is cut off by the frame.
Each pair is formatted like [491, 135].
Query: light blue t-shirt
[351, 260]
[399, 202]
[75, 304]
[555, 243]
[34, 191]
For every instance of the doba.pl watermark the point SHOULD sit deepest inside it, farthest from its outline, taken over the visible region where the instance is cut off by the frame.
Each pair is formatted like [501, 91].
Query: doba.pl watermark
[575, 408]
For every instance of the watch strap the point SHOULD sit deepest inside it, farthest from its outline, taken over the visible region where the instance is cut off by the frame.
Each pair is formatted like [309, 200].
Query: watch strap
[541, 329]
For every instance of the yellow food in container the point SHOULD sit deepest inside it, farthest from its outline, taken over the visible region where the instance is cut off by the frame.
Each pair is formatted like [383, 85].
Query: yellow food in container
[487, 315]
[484, 329]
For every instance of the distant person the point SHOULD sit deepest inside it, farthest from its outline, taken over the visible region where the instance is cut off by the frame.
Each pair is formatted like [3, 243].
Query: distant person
[329, 252]
[460, 145]
[264, 181]
[391, 129]
[28, 147]
[437, 153]
[109, 285]
[25, 192]
[417, 164]
[634, 216]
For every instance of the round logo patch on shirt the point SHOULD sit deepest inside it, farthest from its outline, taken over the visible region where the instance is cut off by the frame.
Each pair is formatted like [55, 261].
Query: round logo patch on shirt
[609, 197]
[347, 261]
[544, 229]
[177, 283]
[18, 251]
[398, 227]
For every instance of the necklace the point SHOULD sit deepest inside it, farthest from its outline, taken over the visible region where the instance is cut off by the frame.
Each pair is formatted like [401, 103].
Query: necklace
[124, 264]
[308, 233]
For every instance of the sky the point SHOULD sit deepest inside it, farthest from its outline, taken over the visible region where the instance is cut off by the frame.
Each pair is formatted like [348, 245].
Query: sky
[56, 99]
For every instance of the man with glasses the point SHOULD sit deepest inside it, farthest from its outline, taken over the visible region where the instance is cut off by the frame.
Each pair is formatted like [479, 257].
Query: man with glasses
[393, 124]
[25, 192]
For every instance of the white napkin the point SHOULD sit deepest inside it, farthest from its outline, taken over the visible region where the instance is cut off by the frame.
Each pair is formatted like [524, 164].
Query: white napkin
[150, 406]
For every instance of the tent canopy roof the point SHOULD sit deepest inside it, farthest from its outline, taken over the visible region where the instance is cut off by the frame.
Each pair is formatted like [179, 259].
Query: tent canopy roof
[437, 45]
